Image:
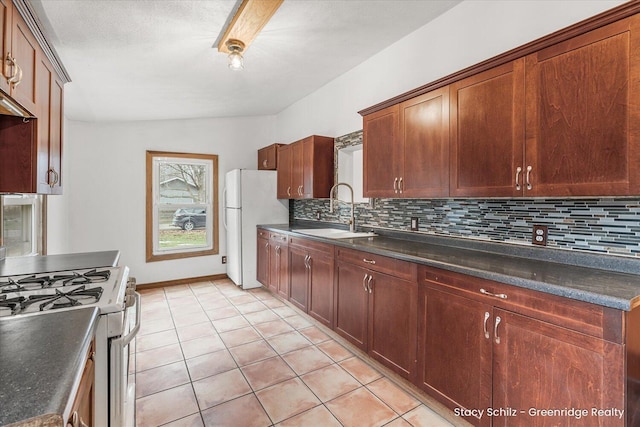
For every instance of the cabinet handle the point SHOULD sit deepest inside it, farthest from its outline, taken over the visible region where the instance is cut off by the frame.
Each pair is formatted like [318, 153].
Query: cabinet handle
[529, 186]
[264, 163]
[364, 282]
[495, 329]
[486, 317]
[76, 421]
[289, 191]
[9, 61]
[491, 294]
[395, 185]
[300, 190]
[400, 185]
[278, 250]
[369, 261]
[369, 283]
[518, 171]
[19, 79]
[56, 177]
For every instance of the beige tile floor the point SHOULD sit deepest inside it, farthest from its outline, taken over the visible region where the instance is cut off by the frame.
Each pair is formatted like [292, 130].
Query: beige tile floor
[211, 354]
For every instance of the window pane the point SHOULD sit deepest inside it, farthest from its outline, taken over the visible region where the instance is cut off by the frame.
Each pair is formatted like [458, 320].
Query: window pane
[18, 229]
[182, 183]
[182, 229]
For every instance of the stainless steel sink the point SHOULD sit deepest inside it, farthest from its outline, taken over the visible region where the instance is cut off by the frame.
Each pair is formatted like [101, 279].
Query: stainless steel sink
[333, 233]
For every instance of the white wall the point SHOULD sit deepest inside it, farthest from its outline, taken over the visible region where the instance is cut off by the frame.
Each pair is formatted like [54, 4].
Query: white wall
[469, 33]
[104, 203]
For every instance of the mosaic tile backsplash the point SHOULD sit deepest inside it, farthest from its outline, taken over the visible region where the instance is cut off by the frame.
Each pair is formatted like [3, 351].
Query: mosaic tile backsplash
[610, 226]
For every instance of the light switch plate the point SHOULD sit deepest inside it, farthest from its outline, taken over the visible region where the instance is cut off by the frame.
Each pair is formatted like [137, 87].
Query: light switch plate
[414, 223]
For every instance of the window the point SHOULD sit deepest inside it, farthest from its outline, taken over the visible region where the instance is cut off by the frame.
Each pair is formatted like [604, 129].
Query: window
[182, 205]
[21, 224]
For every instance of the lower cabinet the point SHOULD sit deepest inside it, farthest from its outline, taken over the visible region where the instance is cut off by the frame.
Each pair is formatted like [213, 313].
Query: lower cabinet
[273, 262]
[82, 408]
[500, 355]
[375, 311]
[311, 267]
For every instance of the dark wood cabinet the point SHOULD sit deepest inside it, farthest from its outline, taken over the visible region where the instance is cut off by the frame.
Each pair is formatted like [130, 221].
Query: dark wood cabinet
[24, 54]
[382, 153]
[483, 344]
[305, 168]
[311, 278]
[541, 365]
[49, 112]
[455, 353]
[279, 264]
[583, 130]
[268, 157]
[262, 270]
[487, 132]
[406, 148]
[376, 311]
[6, 8]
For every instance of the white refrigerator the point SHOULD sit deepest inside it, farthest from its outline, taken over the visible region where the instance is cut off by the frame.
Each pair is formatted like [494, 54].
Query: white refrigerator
[249, 200]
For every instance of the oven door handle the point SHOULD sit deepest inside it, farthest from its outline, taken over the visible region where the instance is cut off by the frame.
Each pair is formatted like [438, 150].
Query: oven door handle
[125, 340]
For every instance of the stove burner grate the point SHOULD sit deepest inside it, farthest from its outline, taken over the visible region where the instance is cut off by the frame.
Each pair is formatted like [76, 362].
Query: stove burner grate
[13, 304]
[60, 299]
[34, 282]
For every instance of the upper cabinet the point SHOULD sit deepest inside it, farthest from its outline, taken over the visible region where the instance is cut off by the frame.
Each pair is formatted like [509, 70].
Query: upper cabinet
[407, 148]
[487, 132]
[583, 118]
[30, 149]
[555, 118]
[305, 168]
[268, 157]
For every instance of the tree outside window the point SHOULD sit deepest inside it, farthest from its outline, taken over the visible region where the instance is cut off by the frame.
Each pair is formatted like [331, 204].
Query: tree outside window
[182, 205]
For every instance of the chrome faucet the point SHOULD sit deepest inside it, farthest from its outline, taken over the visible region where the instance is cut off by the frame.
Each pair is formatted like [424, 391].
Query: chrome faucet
[352, 221]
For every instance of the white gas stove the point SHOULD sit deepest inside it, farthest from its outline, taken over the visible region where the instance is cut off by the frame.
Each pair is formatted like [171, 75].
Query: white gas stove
[110, 290]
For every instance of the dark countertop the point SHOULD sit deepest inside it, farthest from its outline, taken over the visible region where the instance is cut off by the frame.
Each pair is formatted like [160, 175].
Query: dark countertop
[614, 283]
[41, 362]
[49, 263]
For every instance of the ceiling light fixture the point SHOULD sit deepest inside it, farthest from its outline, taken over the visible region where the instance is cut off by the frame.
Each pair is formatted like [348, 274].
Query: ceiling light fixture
[247, 21]
[235, 47]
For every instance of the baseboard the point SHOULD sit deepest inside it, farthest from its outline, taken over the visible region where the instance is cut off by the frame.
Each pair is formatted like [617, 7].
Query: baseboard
[181, 281]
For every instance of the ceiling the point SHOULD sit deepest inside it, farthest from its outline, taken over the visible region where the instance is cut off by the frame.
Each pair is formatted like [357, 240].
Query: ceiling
[155, 60]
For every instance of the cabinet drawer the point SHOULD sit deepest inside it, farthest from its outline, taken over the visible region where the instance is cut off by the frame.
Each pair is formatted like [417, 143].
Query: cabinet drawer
[591, 319]
[311, 245]
[383, 264]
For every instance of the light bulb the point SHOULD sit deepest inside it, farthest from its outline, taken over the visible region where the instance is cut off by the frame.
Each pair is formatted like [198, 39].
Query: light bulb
[236, 61]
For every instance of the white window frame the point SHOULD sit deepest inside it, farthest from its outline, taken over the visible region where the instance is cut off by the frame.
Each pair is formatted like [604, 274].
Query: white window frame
[35, 201]
[155, 205]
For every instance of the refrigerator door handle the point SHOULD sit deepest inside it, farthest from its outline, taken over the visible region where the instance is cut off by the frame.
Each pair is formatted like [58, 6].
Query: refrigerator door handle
[224, 207]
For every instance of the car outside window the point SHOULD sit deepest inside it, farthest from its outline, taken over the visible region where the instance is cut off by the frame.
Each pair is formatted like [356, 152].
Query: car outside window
[182, 205]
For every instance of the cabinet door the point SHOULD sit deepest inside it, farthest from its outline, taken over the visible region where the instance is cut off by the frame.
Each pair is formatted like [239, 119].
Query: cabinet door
[382, 153]
[263, 261]
[297, 170]
[298, 277]
[393, 320]
[5, 35]
[351, 303]
[454, 350]
[539, 365]
[282, 271]
[43, 92]
[24, 48]
[284, 172]
[487, 132]
[55, 136]
[273, 267]
[424, 133]
[321, 287]
[582, 132]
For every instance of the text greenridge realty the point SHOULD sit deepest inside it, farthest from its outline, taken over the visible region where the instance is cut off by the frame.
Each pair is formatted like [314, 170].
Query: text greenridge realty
[577, 413]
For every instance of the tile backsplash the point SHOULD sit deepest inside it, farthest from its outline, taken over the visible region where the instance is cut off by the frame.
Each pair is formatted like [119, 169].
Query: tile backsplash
[598, 225]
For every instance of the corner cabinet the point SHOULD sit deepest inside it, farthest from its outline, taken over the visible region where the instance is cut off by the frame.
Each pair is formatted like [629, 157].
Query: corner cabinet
[407, 148]
[483, 345]
[375, 307]
[305, 168]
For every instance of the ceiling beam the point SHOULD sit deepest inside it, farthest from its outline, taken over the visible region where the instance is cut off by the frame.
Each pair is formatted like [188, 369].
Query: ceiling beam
[251, 17]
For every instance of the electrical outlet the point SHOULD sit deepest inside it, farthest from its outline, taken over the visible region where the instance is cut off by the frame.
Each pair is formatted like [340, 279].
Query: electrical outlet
[318, 215]
[414, 223]
[540, 235]
[224, 259]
